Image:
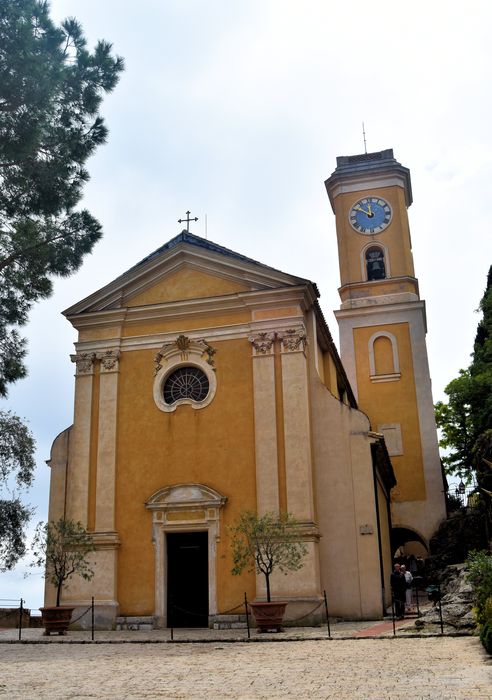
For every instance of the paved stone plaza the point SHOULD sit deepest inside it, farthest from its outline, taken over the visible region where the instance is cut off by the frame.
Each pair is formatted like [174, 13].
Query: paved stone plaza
[447, 668]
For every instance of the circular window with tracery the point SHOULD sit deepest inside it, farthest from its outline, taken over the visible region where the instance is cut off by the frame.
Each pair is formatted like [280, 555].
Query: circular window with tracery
[186, 383]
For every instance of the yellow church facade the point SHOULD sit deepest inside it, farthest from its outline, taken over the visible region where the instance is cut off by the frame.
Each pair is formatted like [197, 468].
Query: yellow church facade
[208, 384]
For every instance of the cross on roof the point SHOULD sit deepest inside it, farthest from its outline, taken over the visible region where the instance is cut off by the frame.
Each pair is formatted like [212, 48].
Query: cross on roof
[187, 220]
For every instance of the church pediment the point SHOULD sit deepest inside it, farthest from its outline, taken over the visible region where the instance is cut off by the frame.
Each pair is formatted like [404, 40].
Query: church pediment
[187, 267]
[186, 283]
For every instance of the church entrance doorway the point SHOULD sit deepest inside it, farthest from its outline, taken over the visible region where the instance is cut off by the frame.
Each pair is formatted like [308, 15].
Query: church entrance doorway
[187, 579]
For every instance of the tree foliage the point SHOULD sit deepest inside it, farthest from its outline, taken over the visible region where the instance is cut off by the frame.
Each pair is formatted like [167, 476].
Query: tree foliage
[62, 547]
[16, 473]
[265, 543]
[51, 88]
[466, 419]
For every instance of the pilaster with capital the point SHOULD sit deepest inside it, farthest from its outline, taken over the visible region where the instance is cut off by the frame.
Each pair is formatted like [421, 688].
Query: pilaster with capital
[297, 429]
[106, 446]
[265, 412]
[80, 439]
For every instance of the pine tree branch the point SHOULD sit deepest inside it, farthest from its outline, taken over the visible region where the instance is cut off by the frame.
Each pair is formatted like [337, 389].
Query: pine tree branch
[30, 249]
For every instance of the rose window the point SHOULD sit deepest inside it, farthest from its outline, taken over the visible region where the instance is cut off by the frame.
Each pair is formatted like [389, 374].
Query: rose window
[186, 383]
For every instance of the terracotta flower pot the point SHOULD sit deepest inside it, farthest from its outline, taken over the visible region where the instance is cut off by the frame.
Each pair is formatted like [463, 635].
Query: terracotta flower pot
[56, 618]
[269, 615]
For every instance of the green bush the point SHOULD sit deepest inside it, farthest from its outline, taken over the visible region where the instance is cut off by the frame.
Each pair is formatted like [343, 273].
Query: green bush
[486, 637]
[487, 611]
[480, 576]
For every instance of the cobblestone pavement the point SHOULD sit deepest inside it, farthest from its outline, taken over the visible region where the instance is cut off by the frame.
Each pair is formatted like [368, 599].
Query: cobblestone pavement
[384, 669]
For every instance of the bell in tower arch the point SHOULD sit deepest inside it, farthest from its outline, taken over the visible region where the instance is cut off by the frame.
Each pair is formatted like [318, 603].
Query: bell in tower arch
[375, 264]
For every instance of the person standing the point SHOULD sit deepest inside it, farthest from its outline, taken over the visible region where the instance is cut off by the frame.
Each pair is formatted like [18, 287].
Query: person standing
[408, 587]
[398, 590]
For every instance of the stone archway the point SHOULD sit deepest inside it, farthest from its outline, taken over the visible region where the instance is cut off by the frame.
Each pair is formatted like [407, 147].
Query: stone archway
[401, 536]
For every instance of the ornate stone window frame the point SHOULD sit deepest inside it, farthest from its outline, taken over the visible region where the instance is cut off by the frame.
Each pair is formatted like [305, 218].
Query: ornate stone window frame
[396, 374]
[184, 508]
[183, 352]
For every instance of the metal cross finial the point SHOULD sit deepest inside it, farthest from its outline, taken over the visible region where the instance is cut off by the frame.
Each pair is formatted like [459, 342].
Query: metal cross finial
[187, 220]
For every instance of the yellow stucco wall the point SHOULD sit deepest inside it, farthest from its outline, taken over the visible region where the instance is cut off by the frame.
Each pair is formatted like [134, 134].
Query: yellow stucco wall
[141, 328]
[156, 449]
[394, 402]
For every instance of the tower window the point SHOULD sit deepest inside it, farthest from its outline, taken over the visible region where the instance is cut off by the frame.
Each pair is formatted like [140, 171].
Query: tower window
[375, 266]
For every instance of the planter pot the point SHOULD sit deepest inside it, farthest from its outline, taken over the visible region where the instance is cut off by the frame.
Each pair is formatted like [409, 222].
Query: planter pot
[269, 616]
[56, 618]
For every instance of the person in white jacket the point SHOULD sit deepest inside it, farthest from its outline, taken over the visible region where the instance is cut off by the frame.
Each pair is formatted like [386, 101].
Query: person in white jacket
[408, 591]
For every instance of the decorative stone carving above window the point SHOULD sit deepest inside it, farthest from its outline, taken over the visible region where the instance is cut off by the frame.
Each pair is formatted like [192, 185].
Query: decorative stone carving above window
[185, 346]
[184, 353]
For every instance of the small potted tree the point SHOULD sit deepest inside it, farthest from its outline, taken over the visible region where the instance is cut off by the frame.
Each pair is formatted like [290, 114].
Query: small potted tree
[61, 547]
[263, 544]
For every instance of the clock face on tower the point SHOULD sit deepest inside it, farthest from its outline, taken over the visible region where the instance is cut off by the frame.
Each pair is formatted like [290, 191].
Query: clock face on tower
[370, 215]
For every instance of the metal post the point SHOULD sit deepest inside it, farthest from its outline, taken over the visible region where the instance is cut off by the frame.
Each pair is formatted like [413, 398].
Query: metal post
[393, 613]
[327, 615]
[417, 596]
[247, 616]
[440, 607]
[171, 616]
[21, 610]
[92, 621]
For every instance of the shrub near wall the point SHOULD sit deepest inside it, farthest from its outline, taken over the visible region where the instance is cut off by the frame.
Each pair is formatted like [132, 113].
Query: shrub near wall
[480, 576]
[486, 628]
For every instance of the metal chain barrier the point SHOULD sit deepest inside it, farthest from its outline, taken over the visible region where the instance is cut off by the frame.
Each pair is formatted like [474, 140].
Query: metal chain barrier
[296, 619]
[72, 622]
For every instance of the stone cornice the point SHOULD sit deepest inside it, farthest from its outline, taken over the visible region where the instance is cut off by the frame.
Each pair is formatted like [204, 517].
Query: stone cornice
[364, 311]
[156, 340]
[254, 300]
[368, 171]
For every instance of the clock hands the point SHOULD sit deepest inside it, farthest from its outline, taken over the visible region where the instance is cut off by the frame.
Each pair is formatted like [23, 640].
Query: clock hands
[368, 213]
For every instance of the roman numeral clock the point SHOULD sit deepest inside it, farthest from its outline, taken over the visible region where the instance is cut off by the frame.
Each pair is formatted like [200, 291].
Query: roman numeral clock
[370, 215]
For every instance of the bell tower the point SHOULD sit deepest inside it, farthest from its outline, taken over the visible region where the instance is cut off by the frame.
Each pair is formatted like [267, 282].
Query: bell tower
[382, 327]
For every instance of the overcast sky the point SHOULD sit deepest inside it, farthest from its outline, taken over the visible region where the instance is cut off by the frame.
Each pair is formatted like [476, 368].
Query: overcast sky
[237, 111]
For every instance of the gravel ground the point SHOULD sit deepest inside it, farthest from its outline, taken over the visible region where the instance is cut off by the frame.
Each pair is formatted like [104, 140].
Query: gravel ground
[416, 668]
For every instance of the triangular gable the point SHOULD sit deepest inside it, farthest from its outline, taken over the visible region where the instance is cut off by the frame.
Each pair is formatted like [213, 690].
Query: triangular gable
[209, 270]
[186, 283]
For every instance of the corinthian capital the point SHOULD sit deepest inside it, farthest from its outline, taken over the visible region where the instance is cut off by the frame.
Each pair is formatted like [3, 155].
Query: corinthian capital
[109, 360]
[262, 343]
[84, 362]
[293, 339]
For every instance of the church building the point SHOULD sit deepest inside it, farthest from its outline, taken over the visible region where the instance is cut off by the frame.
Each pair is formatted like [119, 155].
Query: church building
[208, 383]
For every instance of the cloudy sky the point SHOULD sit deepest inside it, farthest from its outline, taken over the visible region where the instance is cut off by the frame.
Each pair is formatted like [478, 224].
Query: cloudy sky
[237, 111]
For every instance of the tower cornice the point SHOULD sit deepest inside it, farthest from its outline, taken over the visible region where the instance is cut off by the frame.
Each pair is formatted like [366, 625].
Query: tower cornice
[368, 170]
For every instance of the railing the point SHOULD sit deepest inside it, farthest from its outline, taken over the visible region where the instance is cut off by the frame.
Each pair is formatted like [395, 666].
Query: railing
[466, 495]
